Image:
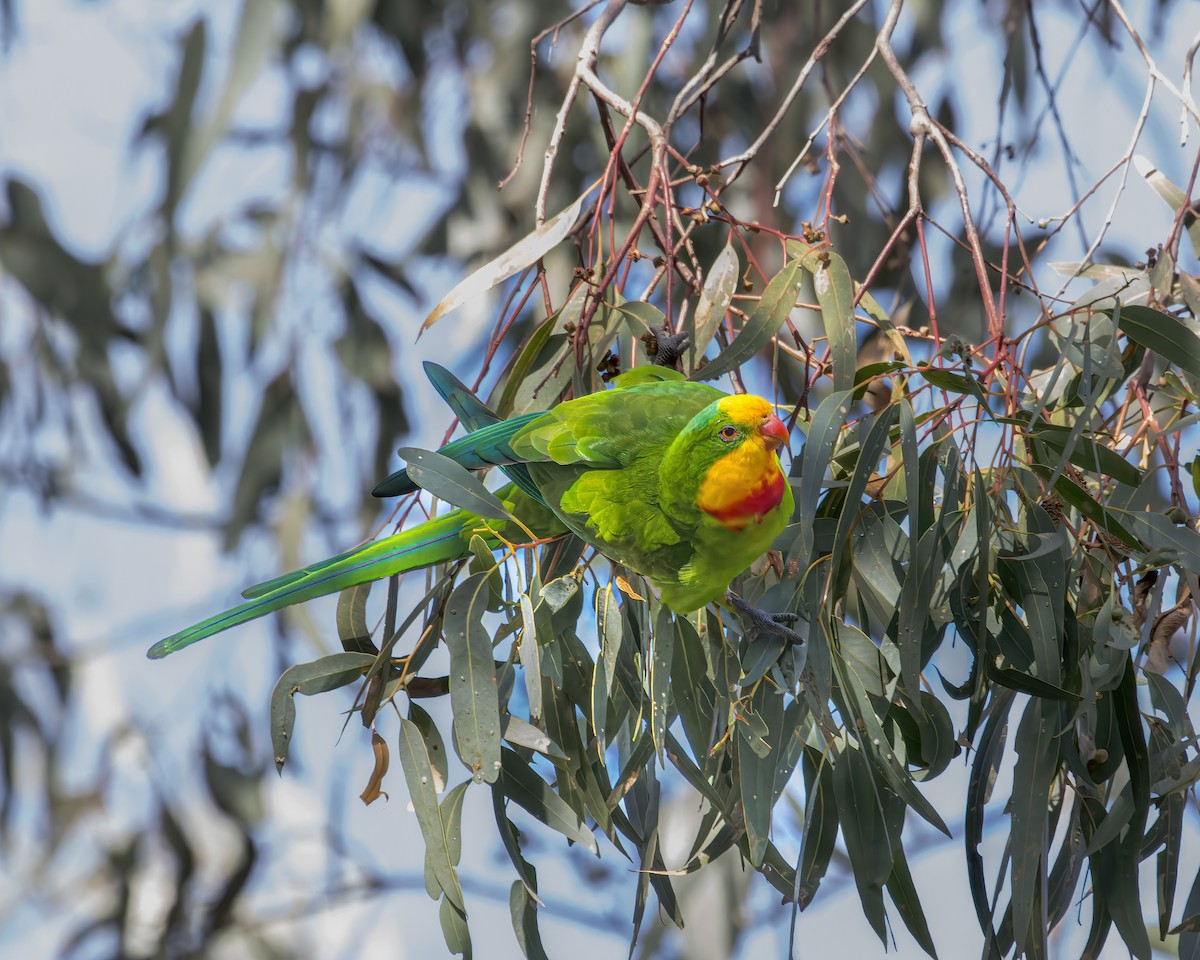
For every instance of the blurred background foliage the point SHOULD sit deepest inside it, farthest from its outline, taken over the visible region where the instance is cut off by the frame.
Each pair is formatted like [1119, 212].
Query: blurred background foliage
[314, 175]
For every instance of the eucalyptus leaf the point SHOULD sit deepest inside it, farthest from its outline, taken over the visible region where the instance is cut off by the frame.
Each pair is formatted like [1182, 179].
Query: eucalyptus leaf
[450, 481]
[764, 322]
[418, 774]
[328, 673]
[474, 696]
[526, 251]
[715, 297]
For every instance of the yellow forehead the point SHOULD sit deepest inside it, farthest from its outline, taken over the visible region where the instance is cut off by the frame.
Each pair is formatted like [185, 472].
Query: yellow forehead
[745, 408]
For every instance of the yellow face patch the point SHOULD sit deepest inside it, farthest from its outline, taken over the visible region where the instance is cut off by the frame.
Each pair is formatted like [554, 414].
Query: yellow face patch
[745, 408]
[747, 482]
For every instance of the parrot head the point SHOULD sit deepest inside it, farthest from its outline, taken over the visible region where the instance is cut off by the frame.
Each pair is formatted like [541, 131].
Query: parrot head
[730, 449]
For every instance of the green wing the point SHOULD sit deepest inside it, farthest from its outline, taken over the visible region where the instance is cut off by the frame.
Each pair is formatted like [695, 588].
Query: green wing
[596, 460]
[613, 428]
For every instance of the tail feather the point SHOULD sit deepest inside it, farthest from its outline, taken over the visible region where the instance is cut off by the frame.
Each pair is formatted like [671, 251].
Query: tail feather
[472, 412]
[443, 538]
[435, 541]
[486, 447]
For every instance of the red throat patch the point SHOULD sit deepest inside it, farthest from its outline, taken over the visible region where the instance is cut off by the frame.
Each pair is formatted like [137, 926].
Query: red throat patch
[751, 508]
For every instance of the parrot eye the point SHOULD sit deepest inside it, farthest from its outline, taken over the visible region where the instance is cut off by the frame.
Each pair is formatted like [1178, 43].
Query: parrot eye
[728, 432]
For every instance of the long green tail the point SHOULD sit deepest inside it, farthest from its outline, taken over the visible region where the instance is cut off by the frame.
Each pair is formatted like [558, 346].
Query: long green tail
[443, 538]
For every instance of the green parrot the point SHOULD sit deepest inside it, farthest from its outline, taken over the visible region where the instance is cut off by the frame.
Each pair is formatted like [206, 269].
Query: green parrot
[675, 480]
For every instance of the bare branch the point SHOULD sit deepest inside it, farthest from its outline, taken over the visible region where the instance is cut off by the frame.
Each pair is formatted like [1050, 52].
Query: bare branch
[743, 158]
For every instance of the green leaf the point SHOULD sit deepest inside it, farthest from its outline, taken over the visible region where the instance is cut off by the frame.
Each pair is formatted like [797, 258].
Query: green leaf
[525, 788]
[820, 824]
[1042, 603]
[756, 773]
[610, 629]
[352, 620]
[518, 373]
[871, 817]
[875, 741]
[1086, 452]
[474, 697]
[764, 322]
[557, 592]
[691, 687]
[862, 656]
[451, 808]
[524, 919]
[418, 774]
[715, 297]
[1089, 508]
[545, 367]
[435, 746]
[454, 928]
[452, 482]
[509, 837]
[868, 460]
[1168, 336]
[328, 673]
[643, 317]
[904, 894]
[984, 768]
[827, 422]
[954, 382]
[938, 745]
[835, 294]
[1161, 533]
[525, 252]
[660, 678]
[1037, 762]
[531, 657]
[522, 733]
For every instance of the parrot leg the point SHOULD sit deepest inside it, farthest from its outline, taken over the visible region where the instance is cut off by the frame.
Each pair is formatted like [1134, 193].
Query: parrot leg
[669, 347]
[758, 621]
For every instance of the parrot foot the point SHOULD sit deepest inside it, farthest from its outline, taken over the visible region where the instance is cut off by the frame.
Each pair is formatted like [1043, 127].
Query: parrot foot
[758, 621]
[665, 348]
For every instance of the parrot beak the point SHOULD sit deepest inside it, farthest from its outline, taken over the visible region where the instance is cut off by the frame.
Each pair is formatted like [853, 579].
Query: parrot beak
[773, 432]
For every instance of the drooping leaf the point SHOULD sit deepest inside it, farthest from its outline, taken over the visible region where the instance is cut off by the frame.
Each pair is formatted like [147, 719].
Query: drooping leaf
[526, 251]
[903, 892]
[418, 774]
[523, 786]
[660, 678]
[454, 928]
[524, 918]
[871, 817]
[714, 300]
[435, 745]
[820, 825]
[1037, 761]
[764, 322]
[835, 294]
[328, 673]
[452, 482]
[1166, 335]
[756, 771]
[352, 620]
[474, 696]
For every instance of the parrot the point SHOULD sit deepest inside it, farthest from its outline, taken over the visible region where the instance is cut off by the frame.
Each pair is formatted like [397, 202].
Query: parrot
[673, 479]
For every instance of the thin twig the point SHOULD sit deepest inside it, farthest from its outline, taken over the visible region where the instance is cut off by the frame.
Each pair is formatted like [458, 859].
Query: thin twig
[588, 51]
[533, 58]
[742, 159]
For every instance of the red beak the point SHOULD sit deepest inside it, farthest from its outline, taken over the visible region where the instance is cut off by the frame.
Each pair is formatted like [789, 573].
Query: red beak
[773, 432]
